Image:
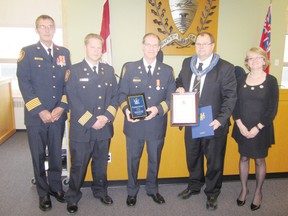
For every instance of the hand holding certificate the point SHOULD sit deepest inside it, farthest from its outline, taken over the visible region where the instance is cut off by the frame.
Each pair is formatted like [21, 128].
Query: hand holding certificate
[184, 109]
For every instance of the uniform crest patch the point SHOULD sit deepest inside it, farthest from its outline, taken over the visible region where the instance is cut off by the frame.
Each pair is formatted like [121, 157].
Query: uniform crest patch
[21, 55]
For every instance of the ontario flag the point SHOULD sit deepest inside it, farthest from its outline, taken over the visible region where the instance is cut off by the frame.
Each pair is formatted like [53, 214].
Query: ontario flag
[266, 35]
[105, 34]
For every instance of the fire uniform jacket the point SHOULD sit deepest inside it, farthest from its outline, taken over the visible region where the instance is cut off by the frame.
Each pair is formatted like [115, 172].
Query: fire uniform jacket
[42, 82]
[91, 95]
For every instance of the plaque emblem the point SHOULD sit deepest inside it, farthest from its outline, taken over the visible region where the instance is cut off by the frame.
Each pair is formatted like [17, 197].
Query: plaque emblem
[177, 22]
[183, 13]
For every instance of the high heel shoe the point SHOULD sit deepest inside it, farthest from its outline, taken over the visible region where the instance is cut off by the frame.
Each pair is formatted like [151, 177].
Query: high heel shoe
[255, 207]
[242, 202]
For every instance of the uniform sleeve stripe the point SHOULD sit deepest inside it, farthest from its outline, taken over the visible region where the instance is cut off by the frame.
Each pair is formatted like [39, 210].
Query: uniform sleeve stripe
[33, 104]
[164, 106]
[85, 118]
[112, 110]
[123, 104]
[64, 99]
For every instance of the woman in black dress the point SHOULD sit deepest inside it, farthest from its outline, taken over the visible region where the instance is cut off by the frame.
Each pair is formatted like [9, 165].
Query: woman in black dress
[254, 113]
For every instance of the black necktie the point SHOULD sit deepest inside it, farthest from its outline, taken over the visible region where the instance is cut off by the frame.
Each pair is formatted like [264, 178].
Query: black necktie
[197, 80]
[149, 71]
[94, 69]
[50, 54]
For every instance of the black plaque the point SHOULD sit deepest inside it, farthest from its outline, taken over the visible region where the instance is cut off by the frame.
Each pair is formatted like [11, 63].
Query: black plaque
[137, 106]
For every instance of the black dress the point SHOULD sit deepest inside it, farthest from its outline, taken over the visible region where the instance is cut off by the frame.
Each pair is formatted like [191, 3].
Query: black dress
[256, 104]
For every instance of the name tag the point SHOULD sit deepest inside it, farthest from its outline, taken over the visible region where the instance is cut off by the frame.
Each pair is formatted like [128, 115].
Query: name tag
[84, 79]
[38, 59]
[135, 80]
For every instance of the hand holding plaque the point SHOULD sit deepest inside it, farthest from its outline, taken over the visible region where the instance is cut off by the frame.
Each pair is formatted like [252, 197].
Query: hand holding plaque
[137, 106]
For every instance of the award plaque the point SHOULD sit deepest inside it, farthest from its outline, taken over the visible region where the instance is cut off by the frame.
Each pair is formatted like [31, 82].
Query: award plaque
[184, 109]
[137, 106]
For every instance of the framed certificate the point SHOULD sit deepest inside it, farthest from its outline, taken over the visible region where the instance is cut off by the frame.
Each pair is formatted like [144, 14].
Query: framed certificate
[137, 106]
[184, 109]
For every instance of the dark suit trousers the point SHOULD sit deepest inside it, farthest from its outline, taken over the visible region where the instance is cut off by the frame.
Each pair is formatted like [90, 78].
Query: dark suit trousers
[40, 137]
[214, 151]
[134, 153]
[81, 153]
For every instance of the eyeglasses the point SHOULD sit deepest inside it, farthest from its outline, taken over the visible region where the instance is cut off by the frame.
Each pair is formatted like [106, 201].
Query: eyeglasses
[202, 44]
[44, 27]
[154, 46]
[255, 58]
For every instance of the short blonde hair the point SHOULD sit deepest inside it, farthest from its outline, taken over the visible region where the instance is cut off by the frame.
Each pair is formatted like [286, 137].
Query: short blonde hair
[93, 35]
[259, 51]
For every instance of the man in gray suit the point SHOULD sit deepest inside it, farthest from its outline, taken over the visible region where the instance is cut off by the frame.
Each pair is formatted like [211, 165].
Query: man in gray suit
[155, 79]
[216, 84]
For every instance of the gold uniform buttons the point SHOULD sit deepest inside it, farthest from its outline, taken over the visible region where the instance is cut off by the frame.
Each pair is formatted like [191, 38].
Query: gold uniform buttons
[100, 97]
[83, 87]
[54, 97]
[99, 86]
[99, 108]
[54, 76]
[39, 66]
[54, 87]
[150, 86]
[149, 98]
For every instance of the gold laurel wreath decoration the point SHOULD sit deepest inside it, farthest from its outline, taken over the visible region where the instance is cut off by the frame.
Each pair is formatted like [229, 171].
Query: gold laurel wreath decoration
[166, 29]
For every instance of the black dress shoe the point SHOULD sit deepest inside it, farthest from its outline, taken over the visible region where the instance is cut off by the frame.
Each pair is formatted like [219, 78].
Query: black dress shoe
[45, 203]
[72, 208]
[187, 193]
[254, 207]
[58, 195]
[131, 200]
[241, 202]
[157, 198]
[211, 203]
[107, 200]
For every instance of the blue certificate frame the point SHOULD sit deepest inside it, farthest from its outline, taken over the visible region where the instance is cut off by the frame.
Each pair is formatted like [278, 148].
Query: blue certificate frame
[137, 106]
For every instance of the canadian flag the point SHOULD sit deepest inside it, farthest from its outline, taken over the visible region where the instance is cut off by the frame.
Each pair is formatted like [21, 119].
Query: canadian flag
[105, 34]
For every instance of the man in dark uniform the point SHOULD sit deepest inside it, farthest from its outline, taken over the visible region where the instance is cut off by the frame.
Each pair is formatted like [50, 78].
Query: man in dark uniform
[217, 87]
[92, 95]
[41, 72]
[155, 79]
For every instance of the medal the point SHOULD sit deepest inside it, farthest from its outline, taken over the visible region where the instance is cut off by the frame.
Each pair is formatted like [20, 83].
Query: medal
[158, 84]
